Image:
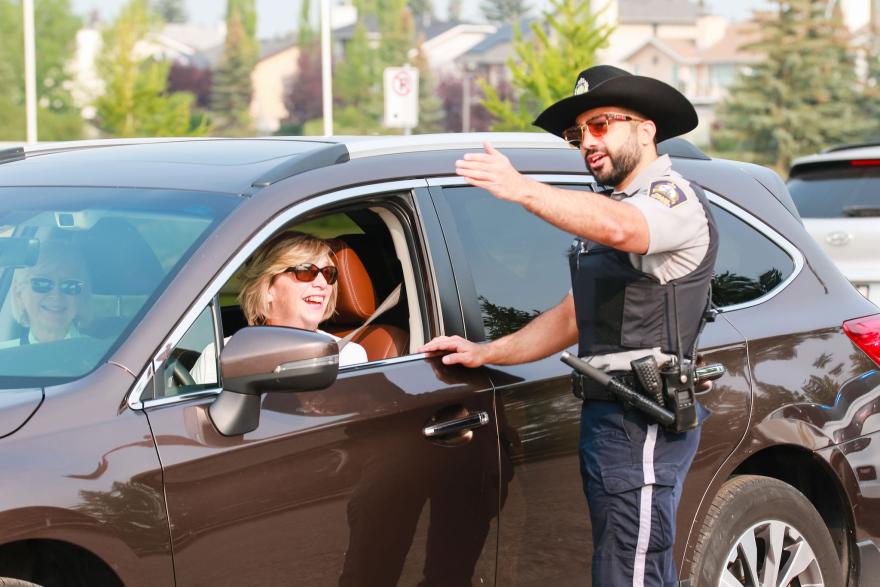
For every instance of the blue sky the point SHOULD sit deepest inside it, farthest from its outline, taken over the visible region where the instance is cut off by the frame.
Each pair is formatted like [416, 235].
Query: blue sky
[275, 17]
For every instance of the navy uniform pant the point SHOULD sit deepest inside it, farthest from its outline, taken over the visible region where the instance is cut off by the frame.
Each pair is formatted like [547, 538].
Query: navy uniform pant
[633, 471]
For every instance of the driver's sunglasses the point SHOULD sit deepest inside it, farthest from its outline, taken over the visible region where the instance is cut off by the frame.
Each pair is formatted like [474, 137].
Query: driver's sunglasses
[69, 287]
[598, 127]
[309, 272]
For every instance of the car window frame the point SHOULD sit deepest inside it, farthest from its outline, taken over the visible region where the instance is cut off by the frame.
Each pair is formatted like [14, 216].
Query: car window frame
[280, 220]
[464, 277]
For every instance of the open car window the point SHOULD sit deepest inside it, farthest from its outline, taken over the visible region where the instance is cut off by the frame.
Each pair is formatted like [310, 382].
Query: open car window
[373, 258]
[80, 266]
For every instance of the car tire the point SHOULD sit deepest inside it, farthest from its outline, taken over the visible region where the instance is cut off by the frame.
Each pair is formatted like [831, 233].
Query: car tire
[734, 545]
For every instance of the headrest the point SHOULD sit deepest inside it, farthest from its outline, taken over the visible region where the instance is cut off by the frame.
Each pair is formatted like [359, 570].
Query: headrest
[356, 300]
[120, 260]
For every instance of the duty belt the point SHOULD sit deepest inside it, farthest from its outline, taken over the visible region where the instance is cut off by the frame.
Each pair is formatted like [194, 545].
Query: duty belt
[586, 388]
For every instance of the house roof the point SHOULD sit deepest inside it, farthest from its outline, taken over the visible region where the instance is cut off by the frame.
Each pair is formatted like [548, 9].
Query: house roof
[681, 51]
[658, 11]
[730, 48]
[504, 34]
[270, 47]
[371, 23]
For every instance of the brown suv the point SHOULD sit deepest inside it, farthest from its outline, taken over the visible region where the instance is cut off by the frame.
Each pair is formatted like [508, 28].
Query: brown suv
[120, 468]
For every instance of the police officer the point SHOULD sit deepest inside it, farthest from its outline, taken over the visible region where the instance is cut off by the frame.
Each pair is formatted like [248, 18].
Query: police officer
[641, 266]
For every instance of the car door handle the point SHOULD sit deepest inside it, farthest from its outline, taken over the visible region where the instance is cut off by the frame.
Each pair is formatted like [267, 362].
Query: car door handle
[469, 422]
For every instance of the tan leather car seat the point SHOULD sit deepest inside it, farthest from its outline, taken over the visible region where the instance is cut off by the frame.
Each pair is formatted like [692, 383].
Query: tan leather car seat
[355, 303]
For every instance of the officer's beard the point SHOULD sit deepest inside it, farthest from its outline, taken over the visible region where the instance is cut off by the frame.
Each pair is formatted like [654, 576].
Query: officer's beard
[623, 161]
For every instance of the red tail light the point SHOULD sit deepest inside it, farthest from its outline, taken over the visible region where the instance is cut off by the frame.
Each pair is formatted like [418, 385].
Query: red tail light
[865, 332]
[865, 162]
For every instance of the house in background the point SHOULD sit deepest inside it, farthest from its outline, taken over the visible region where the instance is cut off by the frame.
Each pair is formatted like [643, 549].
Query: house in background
[701, 74]
[271, 77]
[443, 41]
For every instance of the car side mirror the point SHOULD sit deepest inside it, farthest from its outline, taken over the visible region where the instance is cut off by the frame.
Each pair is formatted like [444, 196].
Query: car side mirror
[261, 359]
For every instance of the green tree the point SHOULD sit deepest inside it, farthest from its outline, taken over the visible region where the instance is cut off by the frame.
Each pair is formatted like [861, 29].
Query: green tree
[802, 97]
[422, 11]
[303, 98]
[431, 112]
[55, 26]
[171, 11]
[233, 88]
[506, 11]
[562, 43]
[356, 78]
[135, 101]
[870, 92]
[396, 32]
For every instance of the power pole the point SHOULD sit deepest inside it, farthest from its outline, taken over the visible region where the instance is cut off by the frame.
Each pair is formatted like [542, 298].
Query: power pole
[326, 71]
[30, 71]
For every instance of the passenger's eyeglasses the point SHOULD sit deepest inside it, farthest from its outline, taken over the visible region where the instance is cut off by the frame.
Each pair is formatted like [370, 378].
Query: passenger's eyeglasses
[309, 272]
[598, 127]
[69, 287]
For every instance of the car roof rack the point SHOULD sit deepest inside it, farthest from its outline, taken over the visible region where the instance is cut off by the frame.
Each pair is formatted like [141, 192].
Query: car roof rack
[320, 157]
[11, 154]
[845, 146]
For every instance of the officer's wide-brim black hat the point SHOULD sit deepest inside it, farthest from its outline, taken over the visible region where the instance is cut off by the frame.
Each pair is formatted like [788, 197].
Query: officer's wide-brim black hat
[605, 85]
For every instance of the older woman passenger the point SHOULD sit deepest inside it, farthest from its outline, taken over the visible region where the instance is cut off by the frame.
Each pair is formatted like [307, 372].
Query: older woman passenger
[290, 281]
[50, 299]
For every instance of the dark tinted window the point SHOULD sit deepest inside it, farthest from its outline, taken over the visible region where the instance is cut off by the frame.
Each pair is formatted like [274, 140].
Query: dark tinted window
[749, 264]
[520, 268]
[518, 261]
[838, 190]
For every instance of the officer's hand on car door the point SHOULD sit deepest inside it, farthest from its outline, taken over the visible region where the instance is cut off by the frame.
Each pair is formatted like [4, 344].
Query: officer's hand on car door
[461, 351]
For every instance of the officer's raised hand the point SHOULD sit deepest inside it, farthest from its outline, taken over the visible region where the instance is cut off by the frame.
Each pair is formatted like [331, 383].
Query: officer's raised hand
[493, 172]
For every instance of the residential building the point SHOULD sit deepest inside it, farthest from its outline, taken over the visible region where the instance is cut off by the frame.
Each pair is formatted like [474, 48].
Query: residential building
[271, 78]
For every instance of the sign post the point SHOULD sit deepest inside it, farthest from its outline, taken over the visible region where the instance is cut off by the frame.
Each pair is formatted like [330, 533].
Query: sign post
[401, 97]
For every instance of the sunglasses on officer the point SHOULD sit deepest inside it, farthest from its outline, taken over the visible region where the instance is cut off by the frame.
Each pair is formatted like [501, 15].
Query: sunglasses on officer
[69, 287]
[598, 127]
[309, 272]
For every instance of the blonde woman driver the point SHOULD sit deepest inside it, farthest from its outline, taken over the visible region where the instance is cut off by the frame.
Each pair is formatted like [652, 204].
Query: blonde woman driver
[50, 299]
[290, 281]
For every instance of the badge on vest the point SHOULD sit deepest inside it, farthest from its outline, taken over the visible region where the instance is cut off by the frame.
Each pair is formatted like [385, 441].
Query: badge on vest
[667, 193]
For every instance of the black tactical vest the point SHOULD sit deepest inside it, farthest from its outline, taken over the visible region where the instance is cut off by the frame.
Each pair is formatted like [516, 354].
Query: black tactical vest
[619, 308]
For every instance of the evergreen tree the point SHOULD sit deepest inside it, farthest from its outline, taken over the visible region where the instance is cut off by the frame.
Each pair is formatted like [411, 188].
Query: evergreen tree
[303, 98]
[171, 11]
[870, 98]
[431, 113]
[55, 26]
[246, 10]
[233, 88]
[802, 97]
[564, 42]
[422, 11]
[135, 101]
[396, 32]
[506, 11]
[356, 80]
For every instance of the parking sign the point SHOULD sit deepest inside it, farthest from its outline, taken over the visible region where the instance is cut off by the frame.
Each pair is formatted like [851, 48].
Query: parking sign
[401, 97]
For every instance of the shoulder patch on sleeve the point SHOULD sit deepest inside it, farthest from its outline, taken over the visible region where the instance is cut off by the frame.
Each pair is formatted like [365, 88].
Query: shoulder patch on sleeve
[667, 193]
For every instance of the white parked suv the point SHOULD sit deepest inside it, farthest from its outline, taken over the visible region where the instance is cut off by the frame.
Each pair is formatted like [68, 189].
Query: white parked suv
[837, 193]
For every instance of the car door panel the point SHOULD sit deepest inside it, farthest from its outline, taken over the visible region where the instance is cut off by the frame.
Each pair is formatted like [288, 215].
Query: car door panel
[338, 486]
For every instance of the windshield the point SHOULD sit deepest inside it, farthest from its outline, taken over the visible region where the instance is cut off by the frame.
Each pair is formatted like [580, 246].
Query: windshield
[837, 191]
[80, 266]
